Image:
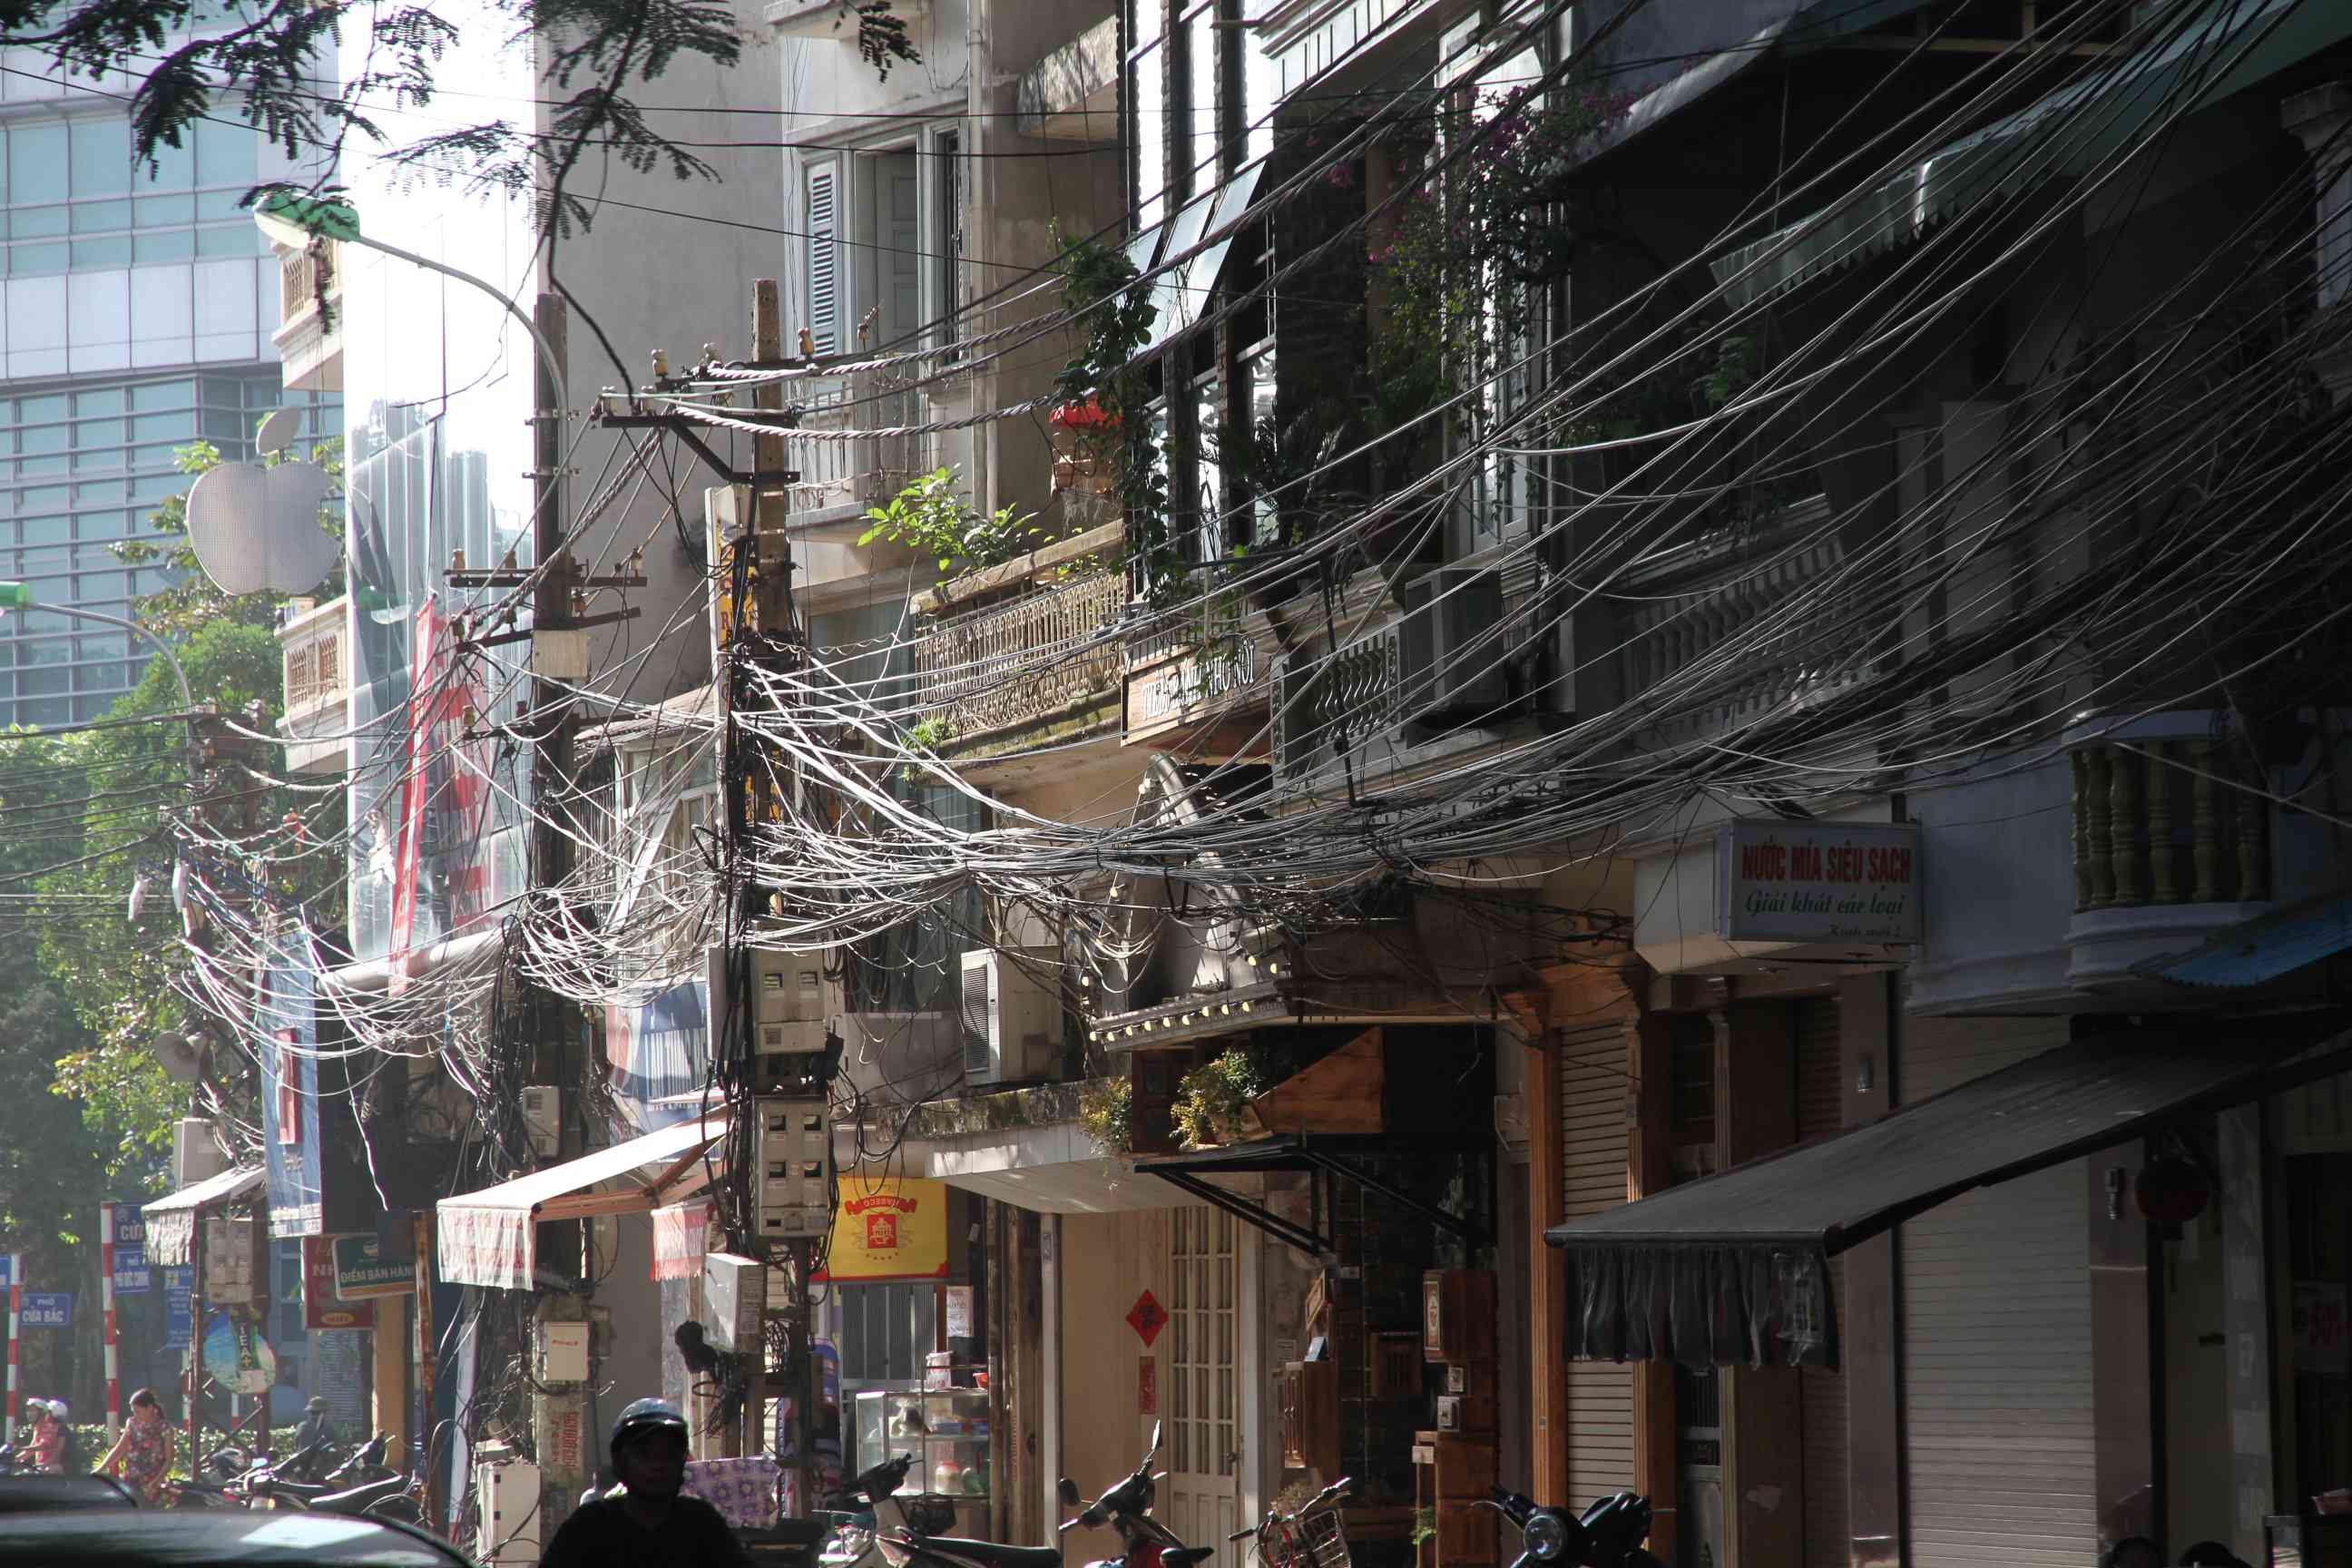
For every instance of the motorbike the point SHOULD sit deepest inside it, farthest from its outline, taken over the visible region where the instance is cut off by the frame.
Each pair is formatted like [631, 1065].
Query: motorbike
[914, 1542]
[1608, 1534]
[1127, 1508]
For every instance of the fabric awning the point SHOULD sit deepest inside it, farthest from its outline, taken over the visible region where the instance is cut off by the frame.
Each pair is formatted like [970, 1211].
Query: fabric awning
[1734, 1268]
[171, 1221]
[490, 1237]
[2263, 950]
[2203, 61]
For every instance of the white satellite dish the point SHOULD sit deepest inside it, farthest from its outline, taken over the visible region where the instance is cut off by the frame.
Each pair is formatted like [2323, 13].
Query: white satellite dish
[278, 431]
[257, 527]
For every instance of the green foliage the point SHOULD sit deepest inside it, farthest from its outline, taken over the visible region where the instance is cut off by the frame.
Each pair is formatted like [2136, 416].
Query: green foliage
[1106, 1113]
[1115, 319]
[1211, 1098]
[1463, 273]
[1424, 1527]
[193, 603]
[928, 515]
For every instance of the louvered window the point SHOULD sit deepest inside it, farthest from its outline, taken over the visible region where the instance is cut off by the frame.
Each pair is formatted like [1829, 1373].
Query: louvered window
[823, 229]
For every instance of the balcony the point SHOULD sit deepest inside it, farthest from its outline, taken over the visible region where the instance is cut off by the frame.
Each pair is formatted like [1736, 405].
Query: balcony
[840, 478]
[1071, 94]
[317, 671]
[2167, 851]
[1199, 686]
[1030, 662]
[309, 337]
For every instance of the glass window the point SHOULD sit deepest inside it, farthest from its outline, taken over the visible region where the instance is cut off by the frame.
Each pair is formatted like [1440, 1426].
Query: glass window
[27, 261]
[49, 711]
[225, 154]
[100, 678]
[242, 240]
[1261, 89]
[164, 245]
[114, 250]
[100, 217]
[36, 163]
[154, 211]
[162, 395]
[44, 496]
[45, 529]
[101, 156]
[1150, 99]
[104, 400]
[90, 433]
[38, 223]
[41, 682]
[1198, 151]
[175, 167]
[113, 644]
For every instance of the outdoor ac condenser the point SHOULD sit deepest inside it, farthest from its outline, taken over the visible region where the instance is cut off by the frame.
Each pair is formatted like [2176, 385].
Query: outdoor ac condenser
[1012, 1019]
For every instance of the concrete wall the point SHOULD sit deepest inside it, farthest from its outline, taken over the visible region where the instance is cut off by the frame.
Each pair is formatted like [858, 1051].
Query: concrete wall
[1106, 1261]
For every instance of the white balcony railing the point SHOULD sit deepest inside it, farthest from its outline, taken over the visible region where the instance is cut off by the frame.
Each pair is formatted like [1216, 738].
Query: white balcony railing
[1023, 660]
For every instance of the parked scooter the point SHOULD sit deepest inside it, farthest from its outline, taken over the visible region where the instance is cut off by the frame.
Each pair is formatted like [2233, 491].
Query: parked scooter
[1127, 1508]
[1609, 1534]
[913, 1544]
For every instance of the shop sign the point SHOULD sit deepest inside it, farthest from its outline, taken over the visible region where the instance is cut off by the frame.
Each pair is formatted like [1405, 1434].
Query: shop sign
[47, 1309]
[2319, 1328]
[888, 1228]
[178, 1292]
[1818, 883]
[131, 1275]
[236, 1355]
[679, 1232]
[364, 1270]
[322, 1308]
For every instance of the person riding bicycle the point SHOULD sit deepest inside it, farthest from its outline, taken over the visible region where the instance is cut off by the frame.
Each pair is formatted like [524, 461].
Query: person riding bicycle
[652, 1524]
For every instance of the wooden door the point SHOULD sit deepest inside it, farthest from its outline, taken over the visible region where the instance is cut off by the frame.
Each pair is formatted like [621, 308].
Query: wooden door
[1202, 1439]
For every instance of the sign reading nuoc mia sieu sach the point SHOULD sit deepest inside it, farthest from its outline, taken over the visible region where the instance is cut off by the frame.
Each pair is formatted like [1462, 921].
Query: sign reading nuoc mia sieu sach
[1815, 882]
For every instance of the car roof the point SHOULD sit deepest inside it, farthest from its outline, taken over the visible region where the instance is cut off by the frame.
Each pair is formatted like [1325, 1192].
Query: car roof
[125, 1539]
[28, 1494]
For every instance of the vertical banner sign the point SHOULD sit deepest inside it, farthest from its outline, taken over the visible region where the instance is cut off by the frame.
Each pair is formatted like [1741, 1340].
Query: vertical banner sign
[290, 1154]
[443, 798]
[888, 1228]
[179, 1305]
[321, 1307]
[106, 1307]
[411, 828]
[1147, 1386]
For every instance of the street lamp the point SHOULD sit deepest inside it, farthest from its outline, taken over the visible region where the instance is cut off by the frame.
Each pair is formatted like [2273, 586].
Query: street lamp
[296, 221]
[19, 597]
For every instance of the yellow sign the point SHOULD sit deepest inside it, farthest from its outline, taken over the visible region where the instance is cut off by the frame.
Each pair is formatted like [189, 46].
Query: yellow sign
[888, 1228]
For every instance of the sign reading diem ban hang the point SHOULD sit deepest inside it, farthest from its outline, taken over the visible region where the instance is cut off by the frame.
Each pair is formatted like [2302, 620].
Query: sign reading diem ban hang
[888, 1228]
[363, 1269]
[1817, 882]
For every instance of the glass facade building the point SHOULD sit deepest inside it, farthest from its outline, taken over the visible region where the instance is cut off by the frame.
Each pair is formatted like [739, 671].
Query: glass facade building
[136, 309]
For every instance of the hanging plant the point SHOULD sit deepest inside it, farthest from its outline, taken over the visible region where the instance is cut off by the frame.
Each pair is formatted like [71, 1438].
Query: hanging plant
[1105, 1113]
[1211, 1097]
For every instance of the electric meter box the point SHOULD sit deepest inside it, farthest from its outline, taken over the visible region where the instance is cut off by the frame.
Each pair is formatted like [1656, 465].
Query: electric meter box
[736, 1290]
[794, 1195]
[564, 1351]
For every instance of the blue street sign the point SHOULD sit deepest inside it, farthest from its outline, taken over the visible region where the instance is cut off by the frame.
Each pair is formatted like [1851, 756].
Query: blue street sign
[131, 1274]
[47, 1310]
[179, 1287]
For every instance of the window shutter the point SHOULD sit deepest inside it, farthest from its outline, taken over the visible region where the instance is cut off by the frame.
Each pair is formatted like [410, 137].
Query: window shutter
[822, 227]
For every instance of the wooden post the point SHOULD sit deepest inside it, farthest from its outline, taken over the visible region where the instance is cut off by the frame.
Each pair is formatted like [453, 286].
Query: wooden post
[1547, 1278]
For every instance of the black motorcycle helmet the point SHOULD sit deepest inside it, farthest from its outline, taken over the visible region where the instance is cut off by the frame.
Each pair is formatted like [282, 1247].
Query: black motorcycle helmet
[642, 1417]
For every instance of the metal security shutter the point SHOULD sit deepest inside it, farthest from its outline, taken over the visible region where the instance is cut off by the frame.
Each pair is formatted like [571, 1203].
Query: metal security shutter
[1820, 1110]
[1593, 1147]
[1996, 1288]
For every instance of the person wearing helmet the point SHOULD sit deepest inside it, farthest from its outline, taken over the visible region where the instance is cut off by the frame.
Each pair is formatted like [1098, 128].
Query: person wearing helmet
[652, 1524]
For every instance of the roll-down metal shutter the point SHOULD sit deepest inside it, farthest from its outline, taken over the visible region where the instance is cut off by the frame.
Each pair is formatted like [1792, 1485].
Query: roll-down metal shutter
[1593, 1145]
[1820, 1110]
[1996, 1290]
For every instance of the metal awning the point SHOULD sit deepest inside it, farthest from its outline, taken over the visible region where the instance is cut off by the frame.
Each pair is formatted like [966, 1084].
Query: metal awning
[1322, 1158]
[2263, 950]
[1180, 295]
[1046, 1168]
[171, 1221]
[490, 1237]
[2233, 45]
[1734, 1268]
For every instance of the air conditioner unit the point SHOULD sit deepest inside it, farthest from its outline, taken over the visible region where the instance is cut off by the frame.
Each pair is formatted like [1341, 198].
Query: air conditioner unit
[506, 1495]
[1451, 649]
[795, 1181]
[195, 1155]
[1012, 1019]
[542, 1117]
[736, 1290]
